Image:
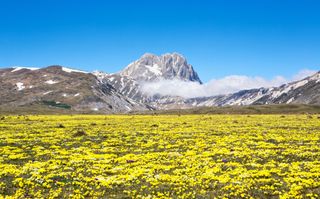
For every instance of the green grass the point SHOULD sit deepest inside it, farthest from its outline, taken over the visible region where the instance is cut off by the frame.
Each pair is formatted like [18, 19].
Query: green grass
[55, 104]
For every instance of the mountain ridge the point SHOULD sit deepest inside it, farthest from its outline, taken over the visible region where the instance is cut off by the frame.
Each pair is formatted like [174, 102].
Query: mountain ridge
[121, 92]
[131, 87]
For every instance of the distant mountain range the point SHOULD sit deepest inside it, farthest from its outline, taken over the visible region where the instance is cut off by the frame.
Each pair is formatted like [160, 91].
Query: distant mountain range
[64, 88]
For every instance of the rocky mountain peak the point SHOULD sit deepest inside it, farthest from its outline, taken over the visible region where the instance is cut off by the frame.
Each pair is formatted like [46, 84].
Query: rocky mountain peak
[151, 67]
[148, 56]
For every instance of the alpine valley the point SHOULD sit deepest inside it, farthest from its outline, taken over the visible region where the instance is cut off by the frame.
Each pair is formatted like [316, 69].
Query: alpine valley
[61, 88]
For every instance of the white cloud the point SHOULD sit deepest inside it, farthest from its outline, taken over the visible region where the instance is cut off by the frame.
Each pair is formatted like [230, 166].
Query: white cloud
[302, 74]
[225, 85]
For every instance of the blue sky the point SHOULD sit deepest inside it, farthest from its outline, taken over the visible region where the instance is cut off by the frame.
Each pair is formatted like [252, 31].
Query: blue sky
[218, 37]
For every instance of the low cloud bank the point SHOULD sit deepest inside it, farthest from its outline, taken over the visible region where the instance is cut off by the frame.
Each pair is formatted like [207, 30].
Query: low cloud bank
[225, 85]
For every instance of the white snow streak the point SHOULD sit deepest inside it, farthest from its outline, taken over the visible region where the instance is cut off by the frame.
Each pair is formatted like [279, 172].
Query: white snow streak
[20, 68]
[69, 70]
[20, 86]
[51, 82]
[45, 93]
[154, 69]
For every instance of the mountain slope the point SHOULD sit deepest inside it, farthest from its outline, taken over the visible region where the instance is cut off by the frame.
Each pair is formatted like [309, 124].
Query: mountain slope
[305, 91]
[60, 87]
[150, 68]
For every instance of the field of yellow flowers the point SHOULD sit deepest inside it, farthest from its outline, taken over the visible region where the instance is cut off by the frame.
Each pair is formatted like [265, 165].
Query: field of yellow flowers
[160, 156]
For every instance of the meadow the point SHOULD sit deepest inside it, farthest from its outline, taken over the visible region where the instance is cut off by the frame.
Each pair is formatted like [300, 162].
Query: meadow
[160, 156]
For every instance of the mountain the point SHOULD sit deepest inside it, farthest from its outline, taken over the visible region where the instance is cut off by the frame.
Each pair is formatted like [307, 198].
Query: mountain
[125, 85]
[60, 87]
[305, 91]
[57, 87]
[149, 68]
[153, 68]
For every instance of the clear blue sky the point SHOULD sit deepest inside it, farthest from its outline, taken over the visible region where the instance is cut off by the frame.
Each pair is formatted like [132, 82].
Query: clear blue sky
[218, 37]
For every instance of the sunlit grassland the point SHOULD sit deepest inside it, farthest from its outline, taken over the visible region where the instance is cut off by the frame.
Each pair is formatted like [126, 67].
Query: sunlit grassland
[160, 156]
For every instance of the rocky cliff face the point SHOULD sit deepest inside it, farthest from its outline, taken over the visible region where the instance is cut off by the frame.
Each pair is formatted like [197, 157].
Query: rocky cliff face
[150, 68]
[168, 66]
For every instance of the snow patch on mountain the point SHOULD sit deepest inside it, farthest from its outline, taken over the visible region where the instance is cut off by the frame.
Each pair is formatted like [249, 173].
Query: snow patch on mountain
[69, 70]
[290, 100]
[20, 68]
[20, 86]
[155, 69]
[51, 82]
[45, 93]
